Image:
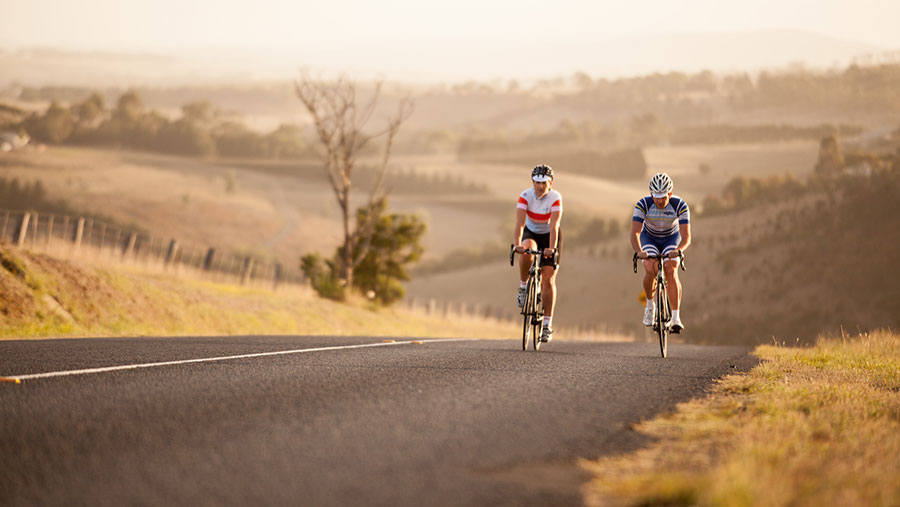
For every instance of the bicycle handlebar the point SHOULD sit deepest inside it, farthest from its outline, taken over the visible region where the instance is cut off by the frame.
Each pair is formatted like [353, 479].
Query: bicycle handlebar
[512, 253]
[634, 259]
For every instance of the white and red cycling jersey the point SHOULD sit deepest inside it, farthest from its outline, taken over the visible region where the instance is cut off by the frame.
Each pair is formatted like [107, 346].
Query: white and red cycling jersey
[538, 210]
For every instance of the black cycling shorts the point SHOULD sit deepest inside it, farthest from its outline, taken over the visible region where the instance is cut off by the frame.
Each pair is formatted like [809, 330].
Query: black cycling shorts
[543, 241]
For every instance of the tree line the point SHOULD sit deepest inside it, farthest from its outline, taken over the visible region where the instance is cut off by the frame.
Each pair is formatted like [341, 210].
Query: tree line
[198, 131]
[832, 168]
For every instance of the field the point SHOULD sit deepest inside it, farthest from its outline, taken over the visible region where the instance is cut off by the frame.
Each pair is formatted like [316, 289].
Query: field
[284, 214]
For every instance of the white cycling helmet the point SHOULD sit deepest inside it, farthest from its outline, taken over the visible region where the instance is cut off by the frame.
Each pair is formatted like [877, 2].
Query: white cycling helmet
[542, 172]
[660, 185]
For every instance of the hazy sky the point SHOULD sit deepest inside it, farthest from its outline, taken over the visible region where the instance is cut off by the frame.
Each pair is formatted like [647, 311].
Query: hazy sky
[455, 31]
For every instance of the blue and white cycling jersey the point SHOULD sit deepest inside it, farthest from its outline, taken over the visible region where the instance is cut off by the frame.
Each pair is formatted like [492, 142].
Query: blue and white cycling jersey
[661, 222]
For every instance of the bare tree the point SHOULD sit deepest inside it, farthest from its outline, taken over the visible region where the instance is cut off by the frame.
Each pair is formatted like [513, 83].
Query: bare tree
[339, 121]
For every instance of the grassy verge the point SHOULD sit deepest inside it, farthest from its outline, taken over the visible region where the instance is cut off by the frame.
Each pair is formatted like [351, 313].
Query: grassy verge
[43, 297]
[808, 426]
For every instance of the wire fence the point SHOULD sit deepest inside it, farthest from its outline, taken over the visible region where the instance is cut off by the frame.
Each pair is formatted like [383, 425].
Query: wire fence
[78, 236]
[85, 237]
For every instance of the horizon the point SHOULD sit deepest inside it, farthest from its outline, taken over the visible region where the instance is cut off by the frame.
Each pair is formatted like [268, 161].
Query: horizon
[237, 66]
[459, 41]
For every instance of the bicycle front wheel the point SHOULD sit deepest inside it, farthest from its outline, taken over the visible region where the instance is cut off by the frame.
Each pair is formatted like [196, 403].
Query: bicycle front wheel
[528, 312]
[538, 313]
[662, 319]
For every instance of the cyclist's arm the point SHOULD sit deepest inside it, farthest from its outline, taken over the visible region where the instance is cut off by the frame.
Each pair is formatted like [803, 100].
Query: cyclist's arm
[685, 231]
[554, 228]
[520, 227]
[635, 237]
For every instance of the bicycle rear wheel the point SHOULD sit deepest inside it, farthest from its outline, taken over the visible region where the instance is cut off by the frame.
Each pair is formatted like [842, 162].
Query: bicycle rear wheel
[528, 312]
[538, 313]
[662, 319]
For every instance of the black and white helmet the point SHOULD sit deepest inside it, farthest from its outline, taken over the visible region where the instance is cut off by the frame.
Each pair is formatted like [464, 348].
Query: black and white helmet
[542, 172]
[660, 185]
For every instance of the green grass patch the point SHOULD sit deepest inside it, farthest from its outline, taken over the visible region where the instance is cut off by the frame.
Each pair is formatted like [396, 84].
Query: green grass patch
[808, 426]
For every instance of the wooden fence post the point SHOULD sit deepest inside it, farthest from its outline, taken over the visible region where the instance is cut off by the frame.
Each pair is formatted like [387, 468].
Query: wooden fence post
[65, 227]
[102, 236]
[49, 231]
[34, 224]
[246, 269]
[79, 232]
[116, 241]
[23, 229]
[170, 253]
[5, 221]
[89, 224]
[129, 248]
[208, 260]
[276, 276]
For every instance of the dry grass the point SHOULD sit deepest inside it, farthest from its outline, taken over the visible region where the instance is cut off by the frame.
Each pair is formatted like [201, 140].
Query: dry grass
[811, 426]
[43, 297]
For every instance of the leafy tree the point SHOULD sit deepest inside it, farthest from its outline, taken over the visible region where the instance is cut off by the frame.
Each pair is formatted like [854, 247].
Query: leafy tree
[87, 116]
[286, 142]
[88, 113]
[233, 139]
[128, 108]
[186, 138]
[145, 130]
[831, 161]
[54, 126]
[323, 281]
[340, 120]
[124, 128]
[394, 244]
[199, 112]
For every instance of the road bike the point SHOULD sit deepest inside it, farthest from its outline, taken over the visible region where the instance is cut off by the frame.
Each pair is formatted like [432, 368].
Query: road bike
[663, 310]
[533, 309]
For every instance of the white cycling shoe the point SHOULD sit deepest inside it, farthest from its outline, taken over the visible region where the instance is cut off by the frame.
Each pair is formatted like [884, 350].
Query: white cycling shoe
[649, 316]
[675, 324]
[546, 334]
[520, 297]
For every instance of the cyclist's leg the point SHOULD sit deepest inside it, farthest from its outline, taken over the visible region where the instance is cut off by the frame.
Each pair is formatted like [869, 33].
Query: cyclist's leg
[548, 289]
[649, 278]
[649, 245]
[525, 259]
[673, 283]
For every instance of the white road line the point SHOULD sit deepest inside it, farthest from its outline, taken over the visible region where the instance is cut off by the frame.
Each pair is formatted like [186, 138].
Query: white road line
[18, 378]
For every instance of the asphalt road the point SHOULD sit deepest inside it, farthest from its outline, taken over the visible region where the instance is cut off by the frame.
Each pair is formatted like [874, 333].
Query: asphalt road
[474, 422]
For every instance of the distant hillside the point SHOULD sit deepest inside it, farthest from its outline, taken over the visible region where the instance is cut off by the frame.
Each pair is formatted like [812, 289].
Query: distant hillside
[795, 270]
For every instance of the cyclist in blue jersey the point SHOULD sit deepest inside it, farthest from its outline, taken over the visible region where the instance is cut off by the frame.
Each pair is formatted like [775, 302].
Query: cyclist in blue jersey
[661, 225]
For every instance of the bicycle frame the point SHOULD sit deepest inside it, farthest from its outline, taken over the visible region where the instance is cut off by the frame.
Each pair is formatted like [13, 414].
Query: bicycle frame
[663, 309]
[533, 309]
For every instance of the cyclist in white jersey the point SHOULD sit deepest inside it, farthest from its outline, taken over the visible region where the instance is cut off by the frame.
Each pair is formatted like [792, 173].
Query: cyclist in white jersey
[661, 225]
[538, 214]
